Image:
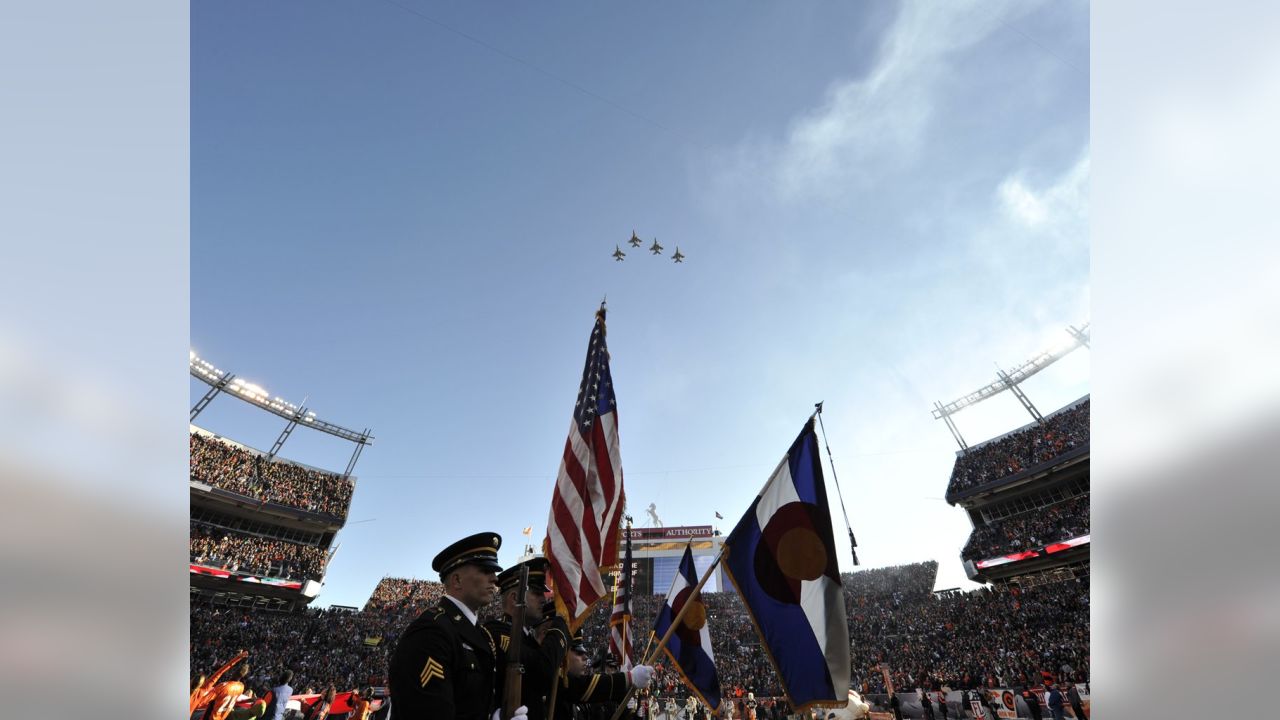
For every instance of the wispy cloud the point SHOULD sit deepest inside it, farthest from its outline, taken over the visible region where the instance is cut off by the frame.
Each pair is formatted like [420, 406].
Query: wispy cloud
[1064, 202]
[867, 125]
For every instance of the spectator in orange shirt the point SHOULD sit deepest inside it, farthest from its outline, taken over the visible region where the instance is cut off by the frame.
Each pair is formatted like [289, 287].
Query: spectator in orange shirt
[223, 699]
[203, 691]
[256, 709]
[361, 704]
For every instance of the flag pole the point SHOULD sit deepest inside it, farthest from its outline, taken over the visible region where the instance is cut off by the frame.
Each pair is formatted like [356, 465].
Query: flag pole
[648, 644]
[675, 622]
[555, 688]
[698, 588]
[853, 543]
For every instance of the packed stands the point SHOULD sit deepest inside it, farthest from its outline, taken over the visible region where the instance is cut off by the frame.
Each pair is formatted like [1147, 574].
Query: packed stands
[240, 471]
[216, 547]
[982, 638]
[1031, 529]
[898, 581]
[1007, 456]
[400, 594]
[322, 647]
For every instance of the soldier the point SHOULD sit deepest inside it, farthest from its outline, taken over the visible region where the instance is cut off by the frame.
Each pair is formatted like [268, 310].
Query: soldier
[581, 686]
[541, 659]
[444, 663]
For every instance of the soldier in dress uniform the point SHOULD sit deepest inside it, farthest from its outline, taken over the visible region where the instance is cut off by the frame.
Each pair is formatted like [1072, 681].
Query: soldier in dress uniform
[444, 663]
[580, 686]
[541, 659]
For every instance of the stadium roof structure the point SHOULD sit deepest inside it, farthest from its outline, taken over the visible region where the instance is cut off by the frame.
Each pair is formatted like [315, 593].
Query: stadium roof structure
[1010, 381]
[220, 381]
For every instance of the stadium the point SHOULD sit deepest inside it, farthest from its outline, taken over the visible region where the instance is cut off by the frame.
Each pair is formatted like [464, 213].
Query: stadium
[262, 528]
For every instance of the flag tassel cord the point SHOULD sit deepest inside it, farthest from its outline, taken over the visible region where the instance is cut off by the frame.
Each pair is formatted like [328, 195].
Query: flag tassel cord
[675, 623]
[853, 543]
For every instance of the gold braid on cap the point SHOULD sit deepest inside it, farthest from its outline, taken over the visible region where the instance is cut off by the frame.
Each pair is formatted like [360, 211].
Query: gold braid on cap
[466, 556]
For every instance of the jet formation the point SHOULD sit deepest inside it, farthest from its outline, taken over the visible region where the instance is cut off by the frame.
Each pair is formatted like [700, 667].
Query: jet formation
[655, 249]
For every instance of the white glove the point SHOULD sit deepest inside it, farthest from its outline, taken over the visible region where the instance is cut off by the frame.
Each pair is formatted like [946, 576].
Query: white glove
[641, 676]
[522, 713]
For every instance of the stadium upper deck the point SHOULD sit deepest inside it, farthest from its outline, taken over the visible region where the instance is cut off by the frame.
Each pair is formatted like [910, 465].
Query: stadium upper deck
[1027, 495]
[261, 529]
[1024, 453]
[237, 469]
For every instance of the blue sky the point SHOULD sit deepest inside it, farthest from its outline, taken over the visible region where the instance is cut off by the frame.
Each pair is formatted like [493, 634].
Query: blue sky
[404, 212]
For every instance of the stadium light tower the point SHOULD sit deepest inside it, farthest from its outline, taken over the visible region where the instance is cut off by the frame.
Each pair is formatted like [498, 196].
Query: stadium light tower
[219, 381]
[1010, 381]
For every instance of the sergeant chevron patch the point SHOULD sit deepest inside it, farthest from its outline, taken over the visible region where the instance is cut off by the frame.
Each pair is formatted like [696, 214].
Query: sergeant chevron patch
[431, 670]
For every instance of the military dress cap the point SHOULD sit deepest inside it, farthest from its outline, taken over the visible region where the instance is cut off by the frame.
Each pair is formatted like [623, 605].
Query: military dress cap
[578, 645]
[510, 577]
[480, 549]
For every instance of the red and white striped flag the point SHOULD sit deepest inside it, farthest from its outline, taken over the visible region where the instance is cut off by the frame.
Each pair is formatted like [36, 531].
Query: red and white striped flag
[620, 620]
[586, 509]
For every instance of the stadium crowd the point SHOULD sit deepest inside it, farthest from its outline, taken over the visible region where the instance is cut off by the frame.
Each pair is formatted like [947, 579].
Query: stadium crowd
[216, 547]
[960, 640]
[982, 638]
[321, 647]
[893, 583]
[218, 464]
[403, 595]
[1061, 521]
[1021, 450]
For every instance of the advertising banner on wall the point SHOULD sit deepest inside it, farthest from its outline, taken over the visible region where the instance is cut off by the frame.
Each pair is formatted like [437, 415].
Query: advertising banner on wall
[244, 577]
[1049, 549]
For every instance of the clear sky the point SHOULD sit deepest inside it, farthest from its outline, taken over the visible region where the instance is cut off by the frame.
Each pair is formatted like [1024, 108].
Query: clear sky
[404, 213]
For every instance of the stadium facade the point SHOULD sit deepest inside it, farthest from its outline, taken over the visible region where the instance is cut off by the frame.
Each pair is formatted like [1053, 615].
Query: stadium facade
[247, 503]
[240, 516]
[1036, 488]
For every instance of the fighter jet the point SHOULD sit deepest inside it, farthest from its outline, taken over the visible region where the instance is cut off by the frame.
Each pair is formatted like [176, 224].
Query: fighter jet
[678, 257]
[618, 255]
[635, 241]
[655, 248]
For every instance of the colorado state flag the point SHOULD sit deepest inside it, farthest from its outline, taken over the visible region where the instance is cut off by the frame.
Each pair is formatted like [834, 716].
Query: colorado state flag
[690, 645]
[781, 557]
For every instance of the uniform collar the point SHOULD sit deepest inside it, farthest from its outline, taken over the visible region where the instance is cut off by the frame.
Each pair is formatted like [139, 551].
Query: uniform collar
[465, 610]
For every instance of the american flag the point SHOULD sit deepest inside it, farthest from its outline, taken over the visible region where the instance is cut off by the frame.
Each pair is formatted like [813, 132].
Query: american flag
[620, 621]
[586, 509]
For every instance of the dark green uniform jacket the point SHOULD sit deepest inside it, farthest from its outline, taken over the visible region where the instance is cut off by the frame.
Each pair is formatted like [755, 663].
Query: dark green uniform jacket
[590, 689]
[541, 660]
[443, 668]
